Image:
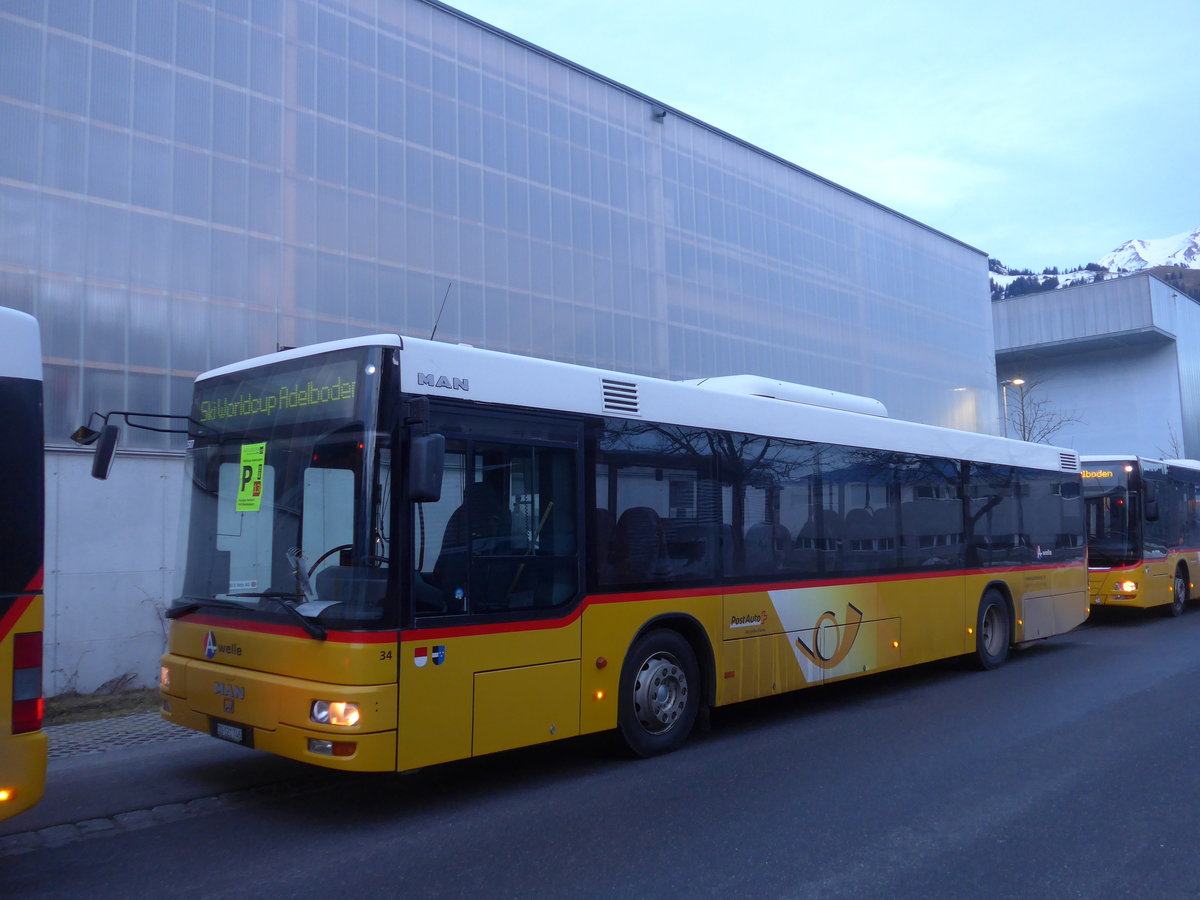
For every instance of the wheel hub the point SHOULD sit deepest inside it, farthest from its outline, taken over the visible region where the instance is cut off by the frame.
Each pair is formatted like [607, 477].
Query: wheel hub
[660, 693]
[989, 630]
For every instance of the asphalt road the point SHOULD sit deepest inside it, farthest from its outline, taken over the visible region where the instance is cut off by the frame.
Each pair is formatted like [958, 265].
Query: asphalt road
[1073, 771]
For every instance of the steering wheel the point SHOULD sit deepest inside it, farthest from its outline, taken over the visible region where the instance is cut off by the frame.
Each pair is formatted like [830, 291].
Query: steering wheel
[332, 550]
[328, 553]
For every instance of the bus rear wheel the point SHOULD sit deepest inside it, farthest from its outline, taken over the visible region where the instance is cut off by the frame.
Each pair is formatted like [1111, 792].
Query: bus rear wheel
[993, 631]
[660, 693]
[1179, 594]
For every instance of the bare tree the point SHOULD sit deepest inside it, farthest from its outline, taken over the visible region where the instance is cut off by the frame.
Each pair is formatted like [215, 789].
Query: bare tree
[1174, 448]
[1032, 416]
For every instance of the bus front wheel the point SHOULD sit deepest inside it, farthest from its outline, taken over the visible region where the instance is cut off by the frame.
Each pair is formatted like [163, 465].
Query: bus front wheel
[1179, 593]
[660, 693]
[993, 631]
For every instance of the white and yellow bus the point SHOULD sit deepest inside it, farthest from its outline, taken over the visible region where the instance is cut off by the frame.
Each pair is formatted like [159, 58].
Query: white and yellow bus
[1143, 526]
[401, 552]
[22, 741]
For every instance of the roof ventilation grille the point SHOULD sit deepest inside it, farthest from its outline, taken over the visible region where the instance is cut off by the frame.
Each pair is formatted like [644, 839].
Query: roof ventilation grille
[620, 396]
[1069, 462]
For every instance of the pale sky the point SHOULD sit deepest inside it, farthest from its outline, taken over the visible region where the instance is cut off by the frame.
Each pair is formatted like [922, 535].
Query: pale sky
[1044, 133]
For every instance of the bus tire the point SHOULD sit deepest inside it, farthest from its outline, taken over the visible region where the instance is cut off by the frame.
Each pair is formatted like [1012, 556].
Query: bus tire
[660, 693]
[1179, 594]
[993, 630]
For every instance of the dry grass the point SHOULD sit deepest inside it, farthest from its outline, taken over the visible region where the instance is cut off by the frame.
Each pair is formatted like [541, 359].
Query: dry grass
[85, 707]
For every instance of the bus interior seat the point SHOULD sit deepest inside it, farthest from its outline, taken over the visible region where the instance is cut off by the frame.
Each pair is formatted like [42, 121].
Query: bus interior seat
[765, 546]
[488, 522]
[640, 545]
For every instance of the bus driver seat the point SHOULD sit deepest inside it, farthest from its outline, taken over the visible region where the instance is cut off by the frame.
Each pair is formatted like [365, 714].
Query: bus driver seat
[480, 526]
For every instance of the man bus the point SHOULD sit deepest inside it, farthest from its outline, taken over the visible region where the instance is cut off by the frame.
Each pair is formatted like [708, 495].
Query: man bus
[22, 741]
[401, 552]
[1143, 526]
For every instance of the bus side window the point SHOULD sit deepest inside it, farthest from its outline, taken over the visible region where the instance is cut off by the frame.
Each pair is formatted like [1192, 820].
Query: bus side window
[503, 535]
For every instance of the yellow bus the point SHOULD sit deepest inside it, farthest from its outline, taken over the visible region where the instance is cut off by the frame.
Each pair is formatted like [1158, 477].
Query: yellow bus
[400, 552]
[22, 741]
[1143, 525]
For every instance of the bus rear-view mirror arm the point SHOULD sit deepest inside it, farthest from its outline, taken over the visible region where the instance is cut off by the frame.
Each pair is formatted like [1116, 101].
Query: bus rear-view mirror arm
[107, 437]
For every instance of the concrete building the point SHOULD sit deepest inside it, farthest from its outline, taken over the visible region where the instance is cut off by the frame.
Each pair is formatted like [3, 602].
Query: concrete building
[185, 184]
[1115, 364]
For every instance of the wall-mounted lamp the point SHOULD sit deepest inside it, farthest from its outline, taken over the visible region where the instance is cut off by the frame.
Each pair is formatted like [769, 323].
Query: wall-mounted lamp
[657, 113]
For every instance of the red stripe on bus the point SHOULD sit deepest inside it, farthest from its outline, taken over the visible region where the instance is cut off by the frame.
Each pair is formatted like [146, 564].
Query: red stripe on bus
[35, 586]
[9, 620]
[899, 576]
[418, 635]
[334, 637]
[1129, 567]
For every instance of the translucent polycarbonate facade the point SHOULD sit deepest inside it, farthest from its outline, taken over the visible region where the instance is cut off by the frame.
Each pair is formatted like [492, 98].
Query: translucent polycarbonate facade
[185, 184]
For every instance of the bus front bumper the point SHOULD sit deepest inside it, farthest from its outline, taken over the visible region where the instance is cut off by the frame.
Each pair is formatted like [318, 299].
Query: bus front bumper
[271, 712]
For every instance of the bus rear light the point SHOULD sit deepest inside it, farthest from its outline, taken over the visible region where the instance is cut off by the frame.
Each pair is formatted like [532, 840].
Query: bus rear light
[27, 650]
[6, 794]
[331, 748]
[27, 715]
[334, 712]
[28, 707]
[164, 677]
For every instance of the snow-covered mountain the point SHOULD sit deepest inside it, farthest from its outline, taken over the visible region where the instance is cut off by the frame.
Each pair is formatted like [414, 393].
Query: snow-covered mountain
[1133, 256]
[1181, 250]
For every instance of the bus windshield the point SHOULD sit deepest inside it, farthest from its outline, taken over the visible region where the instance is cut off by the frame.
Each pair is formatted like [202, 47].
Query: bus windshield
[1113, 516]
[286, 481]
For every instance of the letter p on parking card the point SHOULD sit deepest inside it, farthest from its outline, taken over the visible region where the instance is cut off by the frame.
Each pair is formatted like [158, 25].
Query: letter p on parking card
[250, 481]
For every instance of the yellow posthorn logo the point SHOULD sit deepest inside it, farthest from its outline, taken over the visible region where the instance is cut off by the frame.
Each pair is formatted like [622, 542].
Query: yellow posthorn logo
[847, 634]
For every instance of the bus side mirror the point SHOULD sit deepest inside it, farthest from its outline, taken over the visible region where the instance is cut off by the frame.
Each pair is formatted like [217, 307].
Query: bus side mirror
[426, 456]
[1151, 503]
[206, 469]
[106, 446]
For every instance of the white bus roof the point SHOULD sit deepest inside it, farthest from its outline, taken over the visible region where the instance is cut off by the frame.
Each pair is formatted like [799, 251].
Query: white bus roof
[20, 345]
[1109, 458]
[269, 359]
[462, 372]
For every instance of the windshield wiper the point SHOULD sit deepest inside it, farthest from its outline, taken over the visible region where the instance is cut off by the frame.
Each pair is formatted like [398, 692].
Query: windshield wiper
[281, 598]
[278, 597]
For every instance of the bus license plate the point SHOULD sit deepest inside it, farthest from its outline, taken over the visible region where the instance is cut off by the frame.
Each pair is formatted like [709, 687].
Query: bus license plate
[236, 734]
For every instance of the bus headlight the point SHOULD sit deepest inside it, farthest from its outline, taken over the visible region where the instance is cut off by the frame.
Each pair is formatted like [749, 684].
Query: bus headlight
[1126, 587]
[334, 712]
